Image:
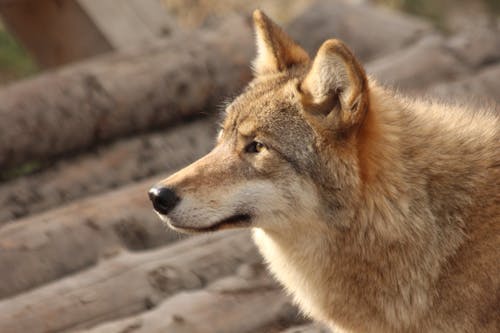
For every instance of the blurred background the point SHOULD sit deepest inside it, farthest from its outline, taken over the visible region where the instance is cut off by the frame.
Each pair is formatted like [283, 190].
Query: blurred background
[99, 99]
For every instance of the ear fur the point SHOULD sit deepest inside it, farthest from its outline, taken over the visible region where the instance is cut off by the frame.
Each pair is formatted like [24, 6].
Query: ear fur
[276, 51]
[336, 82]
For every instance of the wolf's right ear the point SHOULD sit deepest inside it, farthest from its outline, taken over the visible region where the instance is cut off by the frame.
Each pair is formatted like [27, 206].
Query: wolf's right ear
[276, 51]
[336, 87]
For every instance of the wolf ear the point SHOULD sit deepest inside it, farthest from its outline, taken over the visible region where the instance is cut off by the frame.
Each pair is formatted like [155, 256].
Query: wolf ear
[336, 86]
[276, 51]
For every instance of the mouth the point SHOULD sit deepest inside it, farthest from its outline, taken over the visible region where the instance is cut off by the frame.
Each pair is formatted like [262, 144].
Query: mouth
[234, 221]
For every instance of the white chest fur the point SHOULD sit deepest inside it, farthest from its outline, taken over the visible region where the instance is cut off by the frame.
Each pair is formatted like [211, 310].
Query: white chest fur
[298, 268]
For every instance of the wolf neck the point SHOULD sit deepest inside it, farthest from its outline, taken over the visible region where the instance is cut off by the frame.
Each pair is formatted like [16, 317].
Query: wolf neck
[385, 192]
[394, 234]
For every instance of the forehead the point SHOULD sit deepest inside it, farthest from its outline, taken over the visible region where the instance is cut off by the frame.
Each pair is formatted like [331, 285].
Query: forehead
[269, 105]
[271, 111]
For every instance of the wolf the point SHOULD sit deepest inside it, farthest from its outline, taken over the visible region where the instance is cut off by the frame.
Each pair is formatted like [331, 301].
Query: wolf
[378, 213]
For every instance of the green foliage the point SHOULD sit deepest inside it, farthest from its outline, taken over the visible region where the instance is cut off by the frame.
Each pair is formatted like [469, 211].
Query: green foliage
[15, 62]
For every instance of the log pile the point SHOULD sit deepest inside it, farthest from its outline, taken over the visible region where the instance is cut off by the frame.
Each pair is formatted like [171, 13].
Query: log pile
[249, 301]
[127, 284]
[106, 167]
[122, 94]
[81, 249]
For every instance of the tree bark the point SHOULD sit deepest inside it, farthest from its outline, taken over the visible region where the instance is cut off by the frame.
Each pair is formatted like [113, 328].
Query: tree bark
[124, 93]
[127, 284]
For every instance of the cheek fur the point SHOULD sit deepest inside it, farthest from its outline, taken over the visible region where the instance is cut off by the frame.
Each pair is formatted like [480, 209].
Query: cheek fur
[280, 201]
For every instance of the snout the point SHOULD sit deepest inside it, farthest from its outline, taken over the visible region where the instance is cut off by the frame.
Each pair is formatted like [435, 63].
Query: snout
[164, 199]
[205, 197]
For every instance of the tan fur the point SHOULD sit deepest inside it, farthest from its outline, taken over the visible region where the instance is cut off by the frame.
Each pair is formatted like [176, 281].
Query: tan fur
[377, 213]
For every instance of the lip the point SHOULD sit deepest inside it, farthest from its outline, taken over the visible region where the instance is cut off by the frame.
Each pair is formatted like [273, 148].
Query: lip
[233, 221]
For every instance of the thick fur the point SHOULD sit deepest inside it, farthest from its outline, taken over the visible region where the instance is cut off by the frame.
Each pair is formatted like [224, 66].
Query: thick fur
[377, 213]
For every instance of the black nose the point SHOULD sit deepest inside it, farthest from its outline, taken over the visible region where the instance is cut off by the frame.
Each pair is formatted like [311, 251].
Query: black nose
[164, 199]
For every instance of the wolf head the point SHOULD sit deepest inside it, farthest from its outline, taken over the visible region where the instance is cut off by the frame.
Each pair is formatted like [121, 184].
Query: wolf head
[286, 153]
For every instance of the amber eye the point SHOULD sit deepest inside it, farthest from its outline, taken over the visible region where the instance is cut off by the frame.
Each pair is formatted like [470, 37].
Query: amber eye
[254, 147]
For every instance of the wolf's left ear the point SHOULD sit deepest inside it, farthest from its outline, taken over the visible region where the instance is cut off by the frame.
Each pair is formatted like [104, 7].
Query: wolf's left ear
[336, 86]
[276, 51]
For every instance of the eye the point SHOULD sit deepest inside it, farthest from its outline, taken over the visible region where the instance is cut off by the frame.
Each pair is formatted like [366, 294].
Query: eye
[254, 147]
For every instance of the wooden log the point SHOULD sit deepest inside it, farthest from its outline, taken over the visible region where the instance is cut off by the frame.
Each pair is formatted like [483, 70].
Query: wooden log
[105, 168]
[121, 94]
[90, 27]
[369, 30]
[430, 63]
[38, 25]
[45, 247]
[235, 304]
[129, 23]
[127, 284]
[478, 45]
[482, 88]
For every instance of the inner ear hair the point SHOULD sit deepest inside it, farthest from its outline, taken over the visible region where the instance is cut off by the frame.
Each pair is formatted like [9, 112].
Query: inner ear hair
[336, 82]
[329, 104]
